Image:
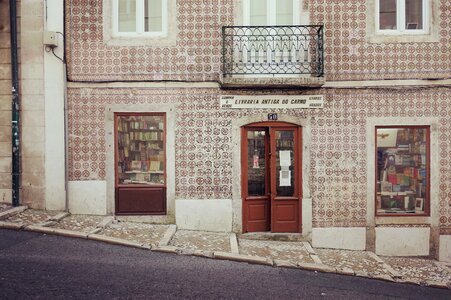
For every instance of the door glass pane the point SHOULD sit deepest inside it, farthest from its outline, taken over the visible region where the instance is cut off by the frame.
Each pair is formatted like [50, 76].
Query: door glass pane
[414, 14]
[153, 16]
[127, 15]
[256, 163]
[402, 170]
[284, 12]
[140, 152]
[387, 14]
[258, 13]
[285, 167]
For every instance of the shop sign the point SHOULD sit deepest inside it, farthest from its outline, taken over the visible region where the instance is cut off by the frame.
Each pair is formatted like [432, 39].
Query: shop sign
[271, 101]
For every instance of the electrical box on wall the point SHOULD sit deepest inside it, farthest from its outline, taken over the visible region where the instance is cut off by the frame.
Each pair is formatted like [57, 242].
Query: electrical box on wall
[50, 39]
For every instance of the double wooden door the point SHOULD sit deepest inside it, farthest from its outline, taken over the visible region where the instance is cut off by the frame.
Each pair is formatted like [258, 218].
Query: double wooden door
[271, 177]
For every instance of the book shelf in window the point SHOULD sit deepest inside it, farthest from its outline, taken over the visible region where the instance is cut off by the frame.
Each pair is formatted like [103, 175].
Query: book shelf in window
[402, 185]
[140, 163]
[141, 150]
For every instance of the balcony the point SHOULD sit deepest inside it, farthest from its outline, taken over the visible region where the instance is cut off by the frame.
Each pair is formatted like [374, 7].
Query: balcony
[272, 56]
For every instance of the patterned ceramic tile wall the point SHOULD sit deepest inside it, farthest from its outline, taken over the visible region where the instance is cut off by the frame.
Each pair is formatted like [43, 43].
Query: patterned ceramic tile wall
[338, 172]
[349, 56]
[196, 57]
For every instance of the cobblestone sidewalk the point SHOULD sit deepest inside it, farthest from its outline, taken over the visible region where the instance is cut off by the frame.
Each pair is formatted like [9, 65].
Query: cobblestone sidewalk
[295, 254]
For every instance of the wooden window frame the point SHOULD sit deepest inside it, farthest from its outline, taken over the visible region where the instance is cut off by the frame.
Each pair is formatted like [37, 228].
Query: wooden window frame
[154, 187]
[427, 203]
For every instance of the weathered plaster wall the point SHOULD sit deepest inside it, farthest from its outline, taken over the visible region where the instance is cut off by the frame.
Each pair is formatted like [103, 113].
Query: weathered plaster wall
[349, 52]
[33, 104]
[338, 173]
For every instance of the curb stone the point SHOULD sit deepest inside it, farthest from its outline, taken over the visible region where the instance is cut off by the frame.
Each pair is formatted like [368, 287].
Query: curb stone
[12, 211]
[70, 233]
[345, 271]
[116, 241]
[186, 251]
[203, 253]
[11, 225]
[234, 243]
[362, 274]
[284, 264]
[243, 258]
[167, 249]
[437, 284]
[384, 278]
[40, 229]
[168, 235]
[316, 267]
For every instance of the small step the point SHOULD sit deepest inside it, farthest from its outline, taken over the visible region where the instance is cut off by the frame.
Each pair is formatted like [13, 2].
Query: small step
[271, 236]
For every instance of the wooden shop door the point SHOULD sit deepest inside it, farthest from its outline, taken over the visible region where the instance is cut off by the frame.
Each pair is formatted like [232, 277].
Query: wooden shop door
[271, 177]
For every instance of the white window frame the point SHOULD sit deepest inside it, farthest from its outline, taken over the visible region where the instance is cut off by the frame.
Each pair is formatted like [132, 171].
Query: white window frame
[140, 14]
[271, 8]
[401, 18]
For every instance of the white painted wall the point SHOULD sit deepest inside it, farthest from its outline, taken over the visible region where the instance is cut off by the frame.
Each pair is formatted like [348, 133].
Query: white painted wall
[54, 90]
[402, 241]
[351, 238]
[87, 197]
[445, 248]
[208, 215]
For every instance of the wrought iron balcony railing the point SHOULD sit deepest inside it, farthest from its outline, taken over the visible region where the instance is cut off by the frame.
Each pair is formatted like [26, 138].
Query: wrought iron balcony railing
[270, 50]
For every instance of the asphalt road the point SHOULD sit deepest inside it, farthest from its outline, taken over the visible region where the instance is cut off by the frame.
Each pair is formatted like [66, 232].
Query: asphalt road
[50, 267]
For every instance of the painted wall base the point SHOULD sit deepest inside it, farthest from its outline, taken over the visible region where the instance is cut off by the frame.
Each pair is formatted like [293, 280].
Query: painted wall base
[87, 197]
[353, 238]
[402, 241]
[445, 248]
[208, 215]
[307, 218]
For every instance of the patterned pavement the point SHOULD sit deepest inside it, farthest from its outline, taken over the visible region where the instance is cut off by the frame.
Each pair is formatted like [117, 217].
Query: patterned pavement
[295, 253]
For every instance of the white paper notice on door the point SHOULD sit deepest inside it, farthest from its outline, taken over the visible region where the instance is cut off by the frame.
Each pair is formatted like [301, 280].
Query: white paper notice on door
[285, 158]
[284, 177]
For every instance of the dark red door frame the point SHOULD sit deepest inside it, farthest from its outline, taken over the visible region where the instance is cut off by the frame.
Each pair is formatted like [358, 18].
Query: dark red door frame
[270, 127]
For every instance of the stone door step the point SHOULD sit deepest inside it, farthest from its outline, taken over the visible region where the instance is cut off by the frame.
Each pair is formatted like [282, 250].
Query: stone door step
[271, 236]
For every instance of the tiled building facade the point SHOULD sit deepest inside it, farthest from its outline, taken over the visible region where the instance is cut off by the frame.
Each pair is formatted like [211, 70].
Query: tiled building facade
[369, 80]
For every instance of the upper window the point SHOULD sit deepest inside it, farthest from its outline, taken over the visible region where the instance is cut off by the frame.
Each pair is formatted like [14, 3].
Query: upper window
[402, 16]
[271, 12]
[140, 17]
[402, 170]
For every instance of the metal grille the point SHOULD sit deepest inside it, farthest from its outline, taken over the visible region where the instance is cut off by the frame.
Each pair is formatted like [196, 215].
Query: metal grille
[273, 50]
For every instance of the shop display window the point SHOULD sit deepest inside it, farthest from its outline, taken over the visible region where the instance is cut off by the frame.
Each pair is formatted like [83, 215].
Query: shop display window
[141, 149]
[402, 170]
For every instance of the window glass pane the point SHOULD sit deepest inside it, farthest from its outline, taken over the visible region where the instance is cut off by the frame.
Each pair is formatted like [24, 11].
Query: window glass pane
[256, 161]
[387, 14]
[140, 150]
[401, 170]
[414, 14]
[258, 13]
[153, 19]
[127, 15]
[285, 167]
[284, 12]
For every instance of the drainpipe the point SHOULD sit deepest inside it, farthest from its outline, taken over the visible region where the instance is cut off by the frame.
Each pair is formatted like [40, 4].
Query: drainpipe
[15, 123]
